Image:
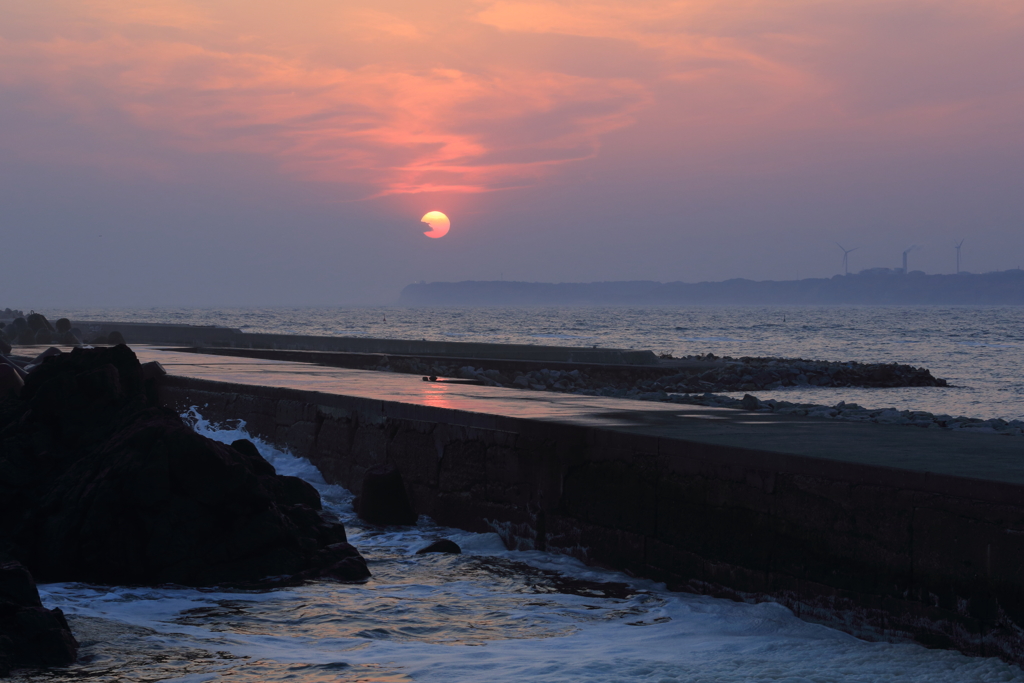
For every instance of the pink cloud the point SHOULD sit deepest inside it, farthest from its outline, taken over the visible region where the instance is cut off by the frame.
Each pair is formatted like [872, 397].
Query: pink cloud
[400, 128]
[463, 98]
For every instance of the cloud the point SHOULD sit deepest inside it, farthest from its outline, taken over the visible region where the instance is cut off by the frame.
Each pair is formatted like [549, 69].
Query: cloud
[390, 128]
[472, 96]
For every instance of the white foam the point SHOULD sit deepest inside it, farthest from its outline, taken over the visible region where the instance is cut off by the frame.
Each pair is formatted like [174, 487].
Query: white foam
[561, 336]
[437, 617]
[284, 463]
[714, 339]
[990, 346]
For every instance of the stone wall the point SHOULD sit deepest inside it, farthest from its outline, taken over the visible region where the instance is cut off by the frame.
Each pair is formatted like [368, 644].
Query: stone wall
[877, 552]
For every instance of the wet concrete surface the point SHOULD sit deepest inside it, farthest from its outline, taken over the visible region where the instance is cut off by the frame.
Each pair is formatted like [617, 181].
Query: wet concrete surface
[975, 456]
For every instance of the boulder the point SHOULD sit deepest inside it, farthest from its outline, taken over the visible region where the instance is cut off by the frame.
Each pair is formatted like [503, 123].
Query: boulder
[37, 321]
[38, 360]
[441, 546]
[252, 454]
[69, 339]
[66, 334]
[4, 360]
[382, 499]
[295, 491]
[10, 382]
[98, 484]
[30, 634]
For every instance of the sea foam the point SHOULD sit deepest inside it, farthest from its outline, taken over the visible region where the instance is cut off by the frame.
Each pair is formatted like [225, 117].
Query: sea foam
[489, 614]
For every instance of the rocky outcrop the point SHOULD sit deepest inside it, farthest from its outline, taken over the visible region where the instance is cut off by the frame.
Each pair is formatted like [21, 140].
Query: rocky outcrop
[30, 634]
[383, 499]
[98, 484]
[65, 333]
[443, 545]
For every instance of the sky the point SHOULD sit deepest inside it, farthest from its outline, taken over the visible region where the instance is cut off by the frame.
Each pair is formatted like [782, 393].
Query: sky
[249, 152]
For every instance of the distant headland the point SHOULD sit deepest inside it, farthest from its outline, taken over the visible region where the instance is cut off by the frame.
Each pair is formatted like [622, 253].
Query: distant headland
[877, 286]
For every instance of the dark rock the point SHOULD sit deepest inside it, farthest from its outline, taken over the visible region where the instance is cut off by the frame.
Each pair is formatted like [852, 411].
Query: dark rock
[97, 484]
[44, 336]
[441, 546]
[26, 337]
[37, 321]
[295, 491]
[152, 370]
[107, 339]
[151, 373]
[69, 339]
[63, 325]
[18, 324]
[30, 634]
[345, 563]
[382, 499]
[4, 360]
[38, 360]
[10, 382]
[749, 402]
[256, 461]
[17, 585]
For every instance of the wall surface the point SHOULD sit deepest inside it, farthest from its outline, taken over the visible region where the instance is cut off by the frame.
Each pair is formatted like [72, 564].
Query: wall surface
[193, 335]
[876, 551]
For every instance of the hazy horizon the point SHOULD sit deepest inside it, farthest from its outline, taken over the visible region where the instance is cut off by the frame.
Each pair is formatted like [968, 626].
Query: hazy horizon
[177, 153]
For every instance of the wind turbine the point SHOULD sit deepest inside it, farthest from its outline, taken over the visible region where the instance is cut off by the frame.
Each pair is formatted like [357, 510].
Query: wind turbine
[957, 245]
[846, 257]
[906, 251]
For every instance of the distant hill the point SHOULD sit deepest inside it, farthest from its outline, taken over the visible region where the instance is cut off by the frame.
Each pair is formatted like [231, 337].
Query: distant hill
[879, 286]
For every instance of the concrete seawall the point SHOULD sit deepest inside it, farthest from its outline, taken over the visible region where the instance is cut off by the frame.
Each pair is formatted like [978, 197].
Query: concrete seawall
[201, 336]
[882, 531]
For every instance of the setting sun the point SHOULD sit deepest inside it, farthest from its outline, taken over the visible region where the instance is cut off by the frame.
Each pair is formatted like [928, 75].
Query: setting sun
[438, 222]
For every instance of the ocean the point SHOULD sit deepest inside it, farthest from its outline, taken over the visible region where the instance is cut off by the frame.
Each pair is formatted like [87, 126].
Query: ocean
[491, 614]
[488, 614]
[979, 350]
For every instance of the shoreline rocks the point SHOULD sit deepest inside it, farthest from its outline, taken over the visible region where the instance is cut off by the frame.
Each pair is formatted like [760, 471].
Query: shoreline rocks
[702, 387]
[30, 634]
[693, 374]
[853, 412]
[383, 499]
[98, 484]
[442, 546]
[34, 329]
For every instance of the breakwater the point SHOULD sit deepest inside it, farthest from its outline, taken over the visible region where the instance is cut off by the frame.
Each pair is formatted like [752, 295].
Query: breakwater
[691, 374]
[225, 337]
[880, 531]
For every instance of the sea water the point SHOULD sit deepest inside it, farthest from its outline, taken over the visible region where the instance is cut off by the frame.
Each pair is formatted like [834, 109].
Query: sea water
[488, 614]
[979, 350]
[491, 614]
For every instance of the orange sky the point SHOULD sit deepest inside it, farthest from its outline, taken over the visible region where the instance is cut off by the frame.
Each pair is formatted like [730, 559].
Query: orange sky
[407, 106]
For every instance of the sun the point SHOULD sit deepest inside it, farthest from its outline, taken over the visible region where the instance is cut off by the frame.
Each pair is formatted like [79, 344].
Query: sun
[438, 222]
